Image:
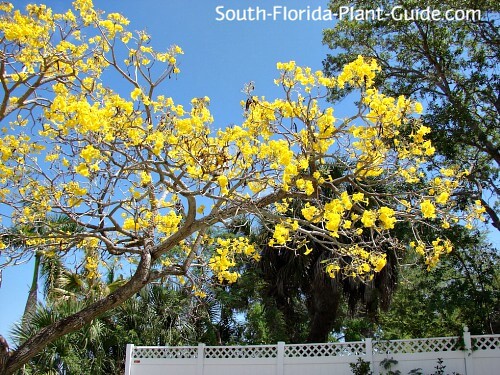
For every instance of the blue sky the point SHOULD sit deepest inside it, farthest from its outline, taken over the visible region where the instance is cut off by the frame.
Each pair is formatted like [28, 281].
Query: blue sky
[220, 57]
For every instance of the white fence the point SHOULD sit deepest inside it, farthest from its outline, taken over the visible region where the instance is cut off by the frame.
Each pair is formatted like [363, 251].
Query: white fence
[467, 355]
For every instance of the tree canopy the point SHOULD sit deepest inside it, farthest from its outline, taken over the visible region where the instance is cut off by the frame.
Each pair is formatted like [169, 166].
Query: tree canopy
[145, 179]
[451, 65]
[462, 290]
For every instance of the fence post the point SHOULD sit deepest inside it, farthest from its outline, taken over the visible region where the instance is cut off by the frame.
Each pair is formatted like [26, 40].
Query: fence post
[469, 365]
[280, 358]
[128, 359]
[200, 359]
[369, 353]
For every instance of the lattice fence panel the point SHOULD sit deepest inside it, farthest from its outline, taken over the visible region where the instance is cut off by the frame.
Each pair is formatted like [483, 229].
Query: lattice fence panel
[241, 352]
[444, 344]
[165, 352]
[485, 342]
[325, 350]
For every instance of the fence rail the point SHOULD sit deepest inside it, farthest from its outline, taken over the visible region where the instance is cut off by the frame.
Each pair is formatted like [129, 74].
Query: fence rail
[467, 355]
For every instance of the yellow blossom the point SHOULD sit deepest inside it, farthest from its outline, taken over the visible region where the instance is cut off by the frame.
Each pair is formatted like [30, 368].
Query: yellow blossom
[281, 234]
[145, 178]
[380, 262]
[442, 198]
[368, 218]
[386, 217]
[129, 224]
[136, 93]
[428, 209]
[359, 197]
[418, 107]
[310, 212]
[223, 183]
[82, 169]
[332, 269]
[89, 153]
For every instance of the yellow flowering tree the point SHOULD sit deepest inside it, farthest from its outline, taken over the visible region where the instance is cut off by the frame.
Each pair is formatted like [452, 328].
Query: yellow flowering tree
[144, 178]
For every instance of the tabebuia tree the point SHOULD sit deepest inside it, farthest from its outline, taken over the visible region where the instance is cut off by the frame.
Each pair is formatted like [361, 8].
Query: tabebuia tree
[145, 179]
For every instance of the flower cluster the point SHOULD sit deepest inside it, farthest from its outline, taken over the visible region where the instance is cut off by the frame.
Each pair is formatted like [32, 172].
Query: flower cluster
[224, 257]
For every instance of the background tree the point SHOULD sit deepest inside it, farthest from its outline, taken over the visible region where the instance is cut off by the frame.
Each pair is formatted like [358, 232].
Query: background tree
[157, 315]
[451, 65]
[272, 298]
[46, 265]
[297, 285]
[146, 179]
[462, 290]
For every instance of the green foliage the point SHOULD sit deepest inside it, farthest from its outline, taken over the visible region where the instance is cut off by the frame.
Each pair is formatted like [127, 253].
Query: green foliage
[452, 66]
[361, 367]
[158, 315]
[462, 290]
[439, 367]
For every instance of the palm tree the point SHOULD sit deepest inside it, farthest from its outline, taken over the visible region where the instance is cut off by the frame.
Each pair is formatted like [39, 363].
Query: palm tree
[298, 286]
[47, 261]
[160, 314]
[301, 289]
[66, 293]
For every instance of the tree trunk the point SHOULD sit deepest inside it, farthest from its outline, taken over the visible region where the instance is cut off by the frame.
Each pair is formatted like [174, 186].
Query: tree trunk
[32, 300]
[49, 334]
[323, 309]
